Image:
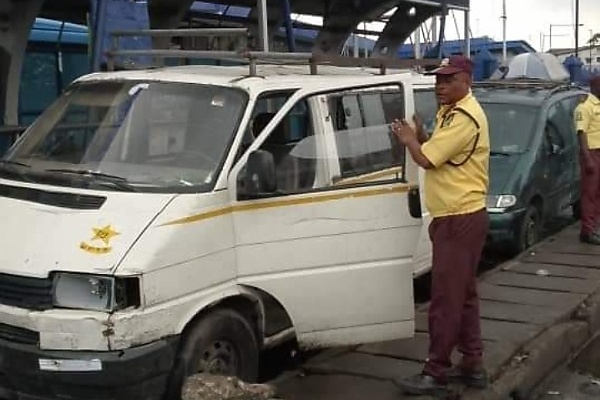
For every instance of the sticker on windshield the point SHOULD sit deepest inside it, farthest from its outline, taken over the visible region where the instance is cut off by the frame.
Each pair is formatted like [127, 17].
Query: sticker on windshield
[100, 241]
[218, 101]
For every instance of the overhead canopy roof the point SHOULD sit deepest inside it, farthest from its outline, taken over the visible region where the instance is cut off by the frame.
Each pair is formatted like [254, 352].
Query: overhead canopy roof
[340, 17]
[76, 10]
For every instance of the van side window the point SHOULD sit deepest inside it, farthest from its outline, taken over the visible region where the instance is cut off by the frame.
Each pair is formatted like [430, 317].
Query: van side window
[426, 106]
[364, 141]
[293, 147]
[265, 108]
[557, 126]
[570, 104]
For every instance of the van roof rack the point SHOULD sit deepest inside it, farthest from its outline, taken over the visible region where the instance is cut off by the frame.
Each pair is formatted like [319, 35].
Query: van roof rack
[544, 88]
[243, 55]
[522, 84]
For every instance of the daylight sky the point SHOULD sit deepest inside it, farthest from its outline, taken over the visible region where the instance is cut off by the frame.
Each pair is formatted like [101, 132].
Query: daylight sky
[527, 20]
[530, 19]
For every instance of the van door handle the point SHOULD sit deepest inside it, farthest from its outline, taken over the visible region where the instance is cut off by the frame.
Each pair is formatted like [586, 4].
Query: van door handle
[414, 203]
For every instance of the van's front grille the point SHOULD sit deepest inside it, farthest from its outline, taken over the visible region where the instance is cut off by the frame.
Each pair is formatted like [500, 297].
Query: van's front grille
[18, 335]
[25, 292]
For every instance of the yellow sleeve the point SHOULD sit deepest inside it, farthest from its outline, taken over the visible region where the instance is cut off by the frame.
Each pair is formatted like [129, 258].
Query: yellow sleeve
[583, 116]
[449, 139]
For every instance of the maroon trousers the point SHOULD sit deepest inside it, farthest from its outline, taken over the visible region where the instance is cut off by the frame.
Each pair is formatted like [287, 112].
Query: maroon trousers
[454, 309]
[590, 194]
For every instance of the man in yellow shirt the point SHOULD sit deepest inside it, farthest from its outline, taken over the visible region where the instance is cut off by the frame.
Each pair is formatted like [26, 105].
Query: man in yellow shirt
[456, 160]
[587, 116]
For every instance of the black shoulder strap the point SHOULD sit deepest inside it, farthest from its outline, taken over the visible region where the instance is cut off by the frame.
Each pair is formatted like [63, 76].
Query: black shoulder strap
[472, 118]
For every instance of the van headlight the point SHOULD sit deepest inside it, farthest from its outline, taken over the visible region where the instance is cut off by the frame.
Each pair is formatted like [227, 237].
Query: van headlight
[500, 203]
[88, 292]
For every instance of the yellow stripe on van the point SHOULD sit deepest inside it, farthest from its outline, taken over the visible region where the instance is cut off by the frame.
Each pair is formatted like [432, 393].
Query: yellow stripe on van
[260, 205]
[373, 176]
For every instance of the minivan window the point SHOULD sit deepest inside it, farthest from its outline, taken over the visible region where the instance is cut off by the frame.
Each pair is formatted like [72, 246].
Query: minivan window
[165, 137]
[364, 141]
[511, 126]
[426, 106]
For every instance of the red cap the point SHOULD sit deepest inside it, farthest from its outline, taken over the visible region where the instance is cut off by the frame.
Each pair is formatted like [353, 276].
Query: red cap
[454, 65]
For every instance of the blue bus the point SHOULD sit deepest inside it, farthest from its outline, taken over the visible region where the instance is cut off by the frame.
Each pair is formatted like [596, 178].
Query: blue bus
[57, 53]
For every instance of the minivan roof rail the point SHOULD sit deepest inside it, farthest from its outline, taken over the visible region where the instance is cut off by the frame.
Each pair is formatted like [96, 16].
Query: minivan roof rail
[243, 55]
[522, 84]
[532, 85]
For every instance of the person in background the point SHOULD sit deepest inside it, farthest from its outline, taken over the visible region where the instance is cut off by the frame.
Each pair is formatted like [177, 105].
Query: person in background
[456, 160]
[587, 117]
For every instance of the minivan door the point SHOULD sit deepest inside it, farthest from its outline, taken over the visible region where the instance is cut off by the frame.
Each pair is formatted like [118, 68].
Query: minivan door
[425, 105]
[558, 151]
[322, 220]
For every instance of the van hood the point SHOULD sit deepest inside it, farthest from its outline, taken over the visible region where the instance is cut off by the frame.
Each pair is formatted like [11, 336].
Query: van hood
[38, 239]
[502, 172]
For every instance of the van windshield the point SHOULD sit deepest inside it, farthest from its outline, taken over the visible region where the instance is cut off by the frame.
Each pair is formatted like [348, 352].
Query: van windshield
[140, 136]
[511, 126]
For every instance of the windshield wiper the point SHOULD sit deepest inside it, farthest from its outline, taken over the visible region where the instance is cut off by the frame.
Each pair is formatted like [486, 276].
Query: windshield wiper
[115, 180]
[11, 162]
[16, 171]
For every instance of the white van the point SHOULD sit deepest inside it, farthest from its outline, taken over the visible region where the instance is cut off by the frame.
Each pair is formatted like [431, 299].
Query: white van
[157, 223]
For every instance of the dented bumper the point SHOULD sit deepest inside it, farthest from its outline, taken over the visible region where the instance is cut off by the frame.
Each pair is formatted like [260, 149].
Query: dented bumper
[140, 373]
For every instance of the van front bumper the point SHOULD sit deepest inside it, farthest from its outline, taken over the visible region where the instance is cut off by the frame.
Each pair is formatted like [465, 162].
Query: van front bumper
[139, 373]
[504, 226]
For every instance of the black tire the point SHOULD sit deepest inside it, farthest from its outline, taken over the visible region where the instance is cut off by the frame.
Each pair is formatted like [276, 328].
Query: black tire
[530, 230]
[223, 343]
[576, 207]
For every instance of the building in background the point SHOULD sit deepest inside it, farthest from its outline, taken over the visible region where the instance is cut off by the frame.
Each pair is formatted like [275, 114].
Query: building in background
[589, 55]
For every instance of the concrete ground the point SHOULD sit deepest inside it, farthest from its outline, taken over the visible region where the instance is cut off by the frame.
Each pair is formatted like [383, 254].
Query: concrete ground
[537, 310]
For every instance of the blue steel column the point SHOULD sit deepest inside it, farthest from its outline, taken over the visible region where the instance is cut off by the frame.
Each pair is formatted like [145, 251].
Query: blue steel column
[98, 32]
[289, 30]
[442, 28]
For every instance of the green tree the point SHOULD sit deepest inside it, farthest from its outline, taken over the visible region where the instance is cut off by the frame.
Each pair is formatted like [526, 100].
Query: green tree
[595, 39]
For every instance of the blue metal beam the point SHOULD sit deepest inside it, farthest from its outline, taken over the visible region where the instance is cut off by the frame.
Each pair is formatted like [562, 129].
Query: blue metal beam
[98, 32]
[289, 30]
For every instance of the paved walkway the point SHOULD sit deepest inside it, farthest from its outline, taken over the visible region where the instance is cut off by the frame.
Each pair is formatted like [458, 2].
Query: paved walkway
[536, 310]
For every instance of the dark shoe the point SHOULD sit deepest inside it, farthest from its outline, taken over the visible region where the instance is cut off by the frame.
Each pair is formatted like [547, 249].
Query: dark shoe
[476, 379]
[421, 385]
[590, 238]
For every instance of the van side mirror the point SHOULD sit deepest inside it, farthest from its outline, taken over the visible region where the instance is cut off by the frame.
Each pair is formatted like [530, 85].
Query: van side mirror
[260, 173]
[414, 203]
[555, 149]
[551, 133]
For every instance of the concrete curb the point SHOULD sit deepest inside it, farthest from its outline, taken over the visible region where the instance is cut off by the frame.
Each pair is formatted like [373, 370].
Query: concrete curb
[544, 354]
[537, 359]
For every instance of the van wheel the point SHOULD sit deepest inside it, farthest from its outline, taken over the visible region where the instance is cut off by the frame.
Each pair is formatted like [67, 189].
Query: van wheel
[576, 208]
[221, 343]
[530, 230]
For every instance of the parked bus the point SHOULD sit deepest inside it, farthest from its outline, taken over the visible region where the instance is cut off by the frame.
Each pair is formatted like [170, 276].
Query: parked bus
[57, 53]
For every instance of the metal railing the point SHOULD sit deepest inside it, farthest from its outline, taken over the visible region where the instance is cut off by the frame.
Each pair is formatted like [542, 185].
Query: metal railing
[252, 58]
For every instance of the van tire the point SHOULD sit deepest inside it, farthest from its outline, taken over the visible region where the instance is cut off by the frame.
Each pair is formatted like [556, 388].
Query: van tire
[222, 342]
[530, 230]
[576, 207]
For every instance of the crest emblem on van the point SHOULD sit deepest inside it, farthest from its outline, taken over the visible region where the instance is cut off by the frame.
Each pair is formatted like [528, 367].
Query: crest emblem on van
[104, 235]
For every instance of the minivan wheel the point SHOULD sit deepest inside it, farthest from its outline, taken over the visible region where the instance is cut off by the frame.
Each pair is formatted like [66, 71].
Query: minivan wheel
[576, 207]
[221, 343]
[530, 230]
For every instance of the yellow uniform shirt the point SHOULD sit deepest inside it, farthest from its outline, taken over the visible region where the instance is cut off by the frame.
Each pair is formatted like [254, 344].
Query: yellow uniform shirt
[587, 117]
[460, 188]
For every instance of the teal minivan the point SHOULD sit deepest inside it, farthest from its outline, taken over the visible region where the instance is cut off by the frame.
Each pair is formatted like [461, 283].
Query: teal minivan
[534, 167]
